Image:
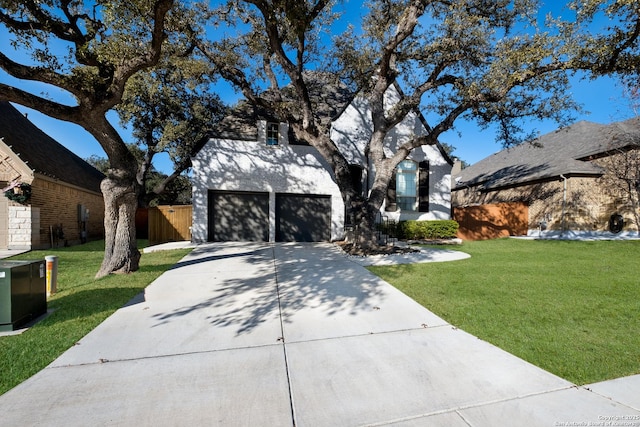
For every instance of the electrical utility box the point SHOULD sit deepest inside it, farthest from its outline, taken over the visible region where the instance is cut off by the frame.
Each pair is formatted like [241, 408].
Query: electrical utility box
[23, 293]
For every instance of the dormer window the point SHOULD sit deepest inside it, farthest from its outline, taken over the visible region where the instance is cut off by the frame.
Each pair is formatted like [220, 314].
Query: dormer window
[273, 133]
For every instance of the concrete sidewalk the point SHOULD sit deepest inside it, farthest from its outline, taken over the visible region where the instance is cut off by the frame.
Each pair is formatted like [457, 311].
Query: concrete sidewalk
[7, 253]
[240, 334]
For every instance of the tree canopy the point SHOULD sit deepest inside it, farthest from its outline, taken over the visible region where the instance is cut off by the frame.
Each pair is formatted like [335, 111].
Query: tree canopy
[88, 51]
[490, 62]
[170, 109]
[176, 191]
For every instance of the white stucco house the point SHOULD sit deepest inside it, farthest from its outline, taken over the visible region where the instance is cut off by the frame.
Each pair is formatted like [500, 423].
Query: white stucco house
[253, 181]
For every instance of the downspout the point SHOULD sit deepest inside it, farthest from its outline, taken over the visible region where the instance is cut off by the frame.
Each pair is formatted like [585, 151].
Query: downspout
[564, 203]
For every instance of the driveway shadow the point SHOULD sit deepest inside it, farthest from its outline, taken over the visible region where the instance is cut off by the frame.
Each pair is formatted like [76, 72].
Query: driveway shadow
[243, 286]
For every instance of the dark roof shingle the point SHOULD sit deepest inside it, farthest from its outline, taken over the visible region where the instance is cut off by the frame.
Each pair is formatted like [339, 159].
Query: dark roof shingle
[43, 154]
[329, 95]
[561, 152]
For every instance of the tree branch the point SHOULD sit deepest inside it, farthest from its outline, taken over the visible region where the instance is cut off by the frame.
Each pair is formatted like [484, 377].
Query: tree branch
[41, 74]
[45, 106]
[129, 68]
[633, 37]
[294, 71]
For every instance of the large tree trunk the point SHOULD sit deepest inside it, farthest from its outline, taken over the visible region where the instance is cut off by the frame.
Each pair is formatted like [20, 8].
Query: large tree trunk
[121, 253]
[120, 190]
[365, 235]
[367, 211]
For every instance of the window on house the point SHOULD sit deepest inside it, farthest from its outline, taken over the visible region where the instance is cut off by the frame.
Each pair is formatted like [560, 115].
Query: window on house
[272, 133]
[356, 178]
[407, 185]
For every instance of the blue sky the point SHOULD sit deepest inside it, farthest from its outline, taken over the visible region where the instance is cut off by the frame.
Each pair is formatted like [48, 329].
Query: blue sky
[601, 99]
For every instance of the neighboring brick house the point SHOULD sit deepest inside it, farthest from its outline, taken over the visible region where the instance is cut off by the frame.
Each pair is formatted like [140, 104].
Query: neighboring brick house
[252, 180]
[65, 206]
[564, 177]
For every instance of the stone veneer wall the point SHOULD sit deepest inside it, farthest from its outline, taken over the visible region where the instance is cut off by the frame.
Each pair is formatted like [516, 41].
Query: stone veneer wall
[21, 223]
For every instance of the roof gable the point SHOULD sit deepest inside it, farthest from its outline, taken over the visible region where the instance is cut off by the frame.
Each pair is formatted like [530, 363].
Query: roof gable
[330, 97]
[42, 154]
[327, 93]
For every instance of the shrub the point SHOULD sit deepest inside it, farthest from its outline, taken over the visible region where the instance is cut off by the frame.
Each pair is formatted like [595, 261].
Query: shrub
[425, 230]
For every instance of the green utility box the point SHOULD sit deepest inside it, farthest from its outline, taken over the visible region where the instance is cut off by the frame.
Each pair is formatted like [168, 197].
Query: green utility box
[23, 293]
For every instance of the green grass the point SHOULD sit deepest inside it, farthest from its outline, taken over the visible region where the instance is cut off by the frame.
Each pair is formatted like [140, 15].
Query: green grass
[80, 304]
[569, 307]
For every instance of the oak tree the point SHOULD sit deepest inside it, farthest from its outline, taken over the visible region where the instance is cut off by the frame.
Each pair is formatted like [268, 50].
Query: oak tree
[170, 108]
[87, 52]
[492, 62]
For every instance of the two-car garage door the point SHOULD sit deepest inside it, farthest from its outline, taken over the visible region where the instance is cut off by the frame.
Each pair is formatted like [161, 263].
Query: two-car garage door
[244, 216]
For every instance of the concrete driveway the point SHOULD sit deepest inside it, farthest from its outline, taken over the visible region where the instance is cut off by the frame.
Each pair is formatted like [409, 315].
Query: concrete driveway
[240, 334]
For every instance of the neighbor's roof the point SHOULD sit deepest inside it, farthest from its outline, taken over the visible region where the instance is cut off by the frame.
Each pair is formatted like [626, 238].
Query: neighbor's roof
[43, 154]
[562, 152]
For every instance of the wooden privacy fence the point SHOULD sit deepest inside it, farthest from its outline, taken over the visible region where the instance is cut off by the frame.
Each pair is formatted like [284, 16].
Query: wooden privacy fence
[169, 224]
[492, 221]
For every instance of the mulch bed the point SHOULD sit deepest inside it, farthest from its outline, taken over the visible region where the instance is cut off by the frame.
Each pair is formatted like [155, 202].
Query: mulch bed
[351, 249]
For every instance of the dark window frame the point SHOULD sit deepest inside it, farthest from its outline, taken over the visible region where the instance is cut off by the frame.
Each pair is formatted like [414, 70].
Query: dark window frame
[273, 133]
[391, 204]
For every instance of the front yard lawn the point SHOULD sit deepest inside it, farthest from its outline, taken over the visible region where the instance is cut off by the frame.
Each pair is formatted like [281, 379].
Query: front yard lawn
[569, 307]
[80, 304]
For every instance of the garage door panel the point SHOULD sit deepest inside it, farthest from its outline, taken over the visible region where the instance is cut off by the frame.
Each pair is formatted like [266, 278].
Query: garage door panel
[303, 218]
[238, 216]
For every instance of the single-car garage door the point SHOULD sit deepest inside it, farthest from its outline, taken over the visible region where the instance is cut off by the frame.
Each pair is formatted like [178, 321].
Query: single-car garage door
[238, 216]
[303, 218]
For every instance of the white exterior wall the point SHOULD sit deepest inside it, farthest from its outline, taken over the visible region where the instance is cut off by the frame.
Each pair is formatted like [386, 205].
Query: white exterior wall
[231, 165]
[355, 124]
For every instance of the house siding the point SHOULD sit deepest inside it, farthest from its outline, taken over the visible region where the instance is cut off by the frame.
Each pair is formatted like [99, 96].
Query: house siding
[573, 179]
[353, 129]
[52, 205]
[22, 221]
[587, 207]
[59, 179]
[251, 166]
[58, 203]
